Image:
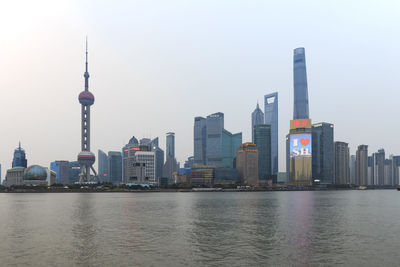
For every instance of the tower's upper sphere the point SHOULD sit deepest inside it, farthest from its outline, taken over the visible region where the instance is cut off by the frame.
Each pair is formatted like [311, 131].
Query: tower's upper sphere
[86, 158]
[86, 98]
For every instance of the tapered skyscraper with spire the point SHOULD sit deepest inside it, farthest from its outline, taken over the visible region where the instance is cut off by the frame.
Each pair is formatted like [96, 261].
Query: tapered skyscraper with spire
[86, 158]
[257, 118]
[300, 87]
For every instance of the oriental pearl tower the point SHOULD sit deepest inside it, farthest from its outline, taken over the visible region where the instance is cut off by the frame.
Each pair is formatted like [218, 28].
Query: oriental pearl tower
[86, 158]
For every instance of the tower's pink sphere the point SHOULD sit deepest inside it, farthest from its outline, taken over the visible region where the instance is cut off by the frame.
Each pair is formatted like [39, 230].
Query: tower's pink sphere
[86, 98]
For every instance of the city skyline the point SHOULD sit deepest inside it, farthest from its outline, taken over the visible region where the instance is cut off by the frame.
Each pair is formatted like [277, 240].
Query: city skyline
[58, 77]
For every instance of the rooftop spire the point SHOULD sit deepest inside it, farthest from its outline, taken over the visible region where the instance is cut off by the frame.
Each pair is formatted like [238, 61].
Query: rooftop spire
[86, 75]
[86, 56]
[19, 144]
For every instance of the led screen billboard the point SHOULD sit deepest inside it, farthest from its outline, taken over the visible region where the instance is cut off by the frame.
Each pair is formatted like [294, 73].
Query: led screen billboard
[300, 146]
[300, 123]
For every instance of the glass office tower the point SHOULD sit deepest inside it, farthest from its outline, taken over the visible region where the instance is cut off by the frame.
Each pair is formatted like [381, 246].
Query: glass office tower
[300, 85]
[323, 152]
[271, 118]
[262, 138]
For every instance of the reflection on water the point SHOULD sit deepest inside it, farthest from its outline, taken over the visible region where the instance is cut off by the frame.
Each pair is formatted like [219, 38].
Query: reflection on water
[200, 229]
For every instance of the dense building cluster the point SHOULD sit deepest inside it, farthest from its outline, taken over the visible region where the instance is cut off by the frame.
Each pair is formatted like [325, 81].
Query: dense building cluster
[220, 157]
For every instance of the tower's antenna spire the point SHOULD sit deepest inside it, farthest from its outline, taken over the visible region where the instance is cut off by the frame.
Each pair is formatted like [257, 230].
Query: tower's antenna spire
[86, 75]
[86, 55]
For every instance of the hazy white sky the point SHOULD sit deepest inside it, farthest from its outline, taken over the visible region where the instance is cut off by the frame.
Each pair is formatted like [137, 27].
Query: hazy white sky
[156, 64]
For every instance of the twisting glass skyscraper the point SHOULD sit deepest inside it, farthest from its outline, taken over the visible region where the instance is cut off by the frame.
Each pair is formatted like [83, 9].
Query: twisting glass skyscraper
[300, 110]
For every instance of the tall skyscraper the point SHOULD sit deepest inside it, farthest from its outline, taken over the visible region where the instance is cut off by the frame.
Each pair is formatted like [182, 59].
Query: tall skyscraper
[342, 160]
[323, 152]
[257, 117]
[103, 166]
[114, 167]
[170, 144]
[271, 118]
[230, 144]
[262, 139]
[200, 140]
[247, 164]
[214, 127]
[19, 159]
[362, 165]
[170, 165]
[300, 85]
[86, 158]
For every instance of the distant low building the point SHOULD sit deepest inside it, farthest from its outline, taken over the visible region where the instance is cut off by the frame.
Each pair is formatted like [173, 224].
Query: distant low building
[33, 176]
[202, 175]
[226, 176]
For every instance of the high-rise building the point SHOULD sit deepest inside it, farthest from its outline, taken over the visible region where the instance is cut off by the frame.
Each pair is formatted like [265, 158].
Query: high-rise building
[214, 145]
[86, 158]
[200, 140]
[189, 162]
[159, 154]
[370, 180]
[299, 147]
[379, 167]
[342, 160]
[247, 164]
[300, 85]
[127, 153]
[143, 169]
[74, 171]
[262, 139]
[114, 167]
[170, 165]
[257, 117]
[214, 127]
[103, 166]
[271, 118]
[353, 169]
[388, 178]
[19, 159]
[323, 152]
[170, 144]
[61, 169]
[362, 165]
[396, 170]
[230, 144]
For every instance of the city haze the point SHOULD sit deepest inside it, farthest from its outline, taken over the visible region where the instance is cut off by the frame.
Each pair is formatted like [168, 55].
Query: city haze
[155, 65]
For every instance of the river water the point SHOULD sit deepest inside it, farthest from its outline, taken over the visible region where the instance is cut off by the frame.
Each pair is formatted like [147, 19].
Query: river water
[352, 228]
